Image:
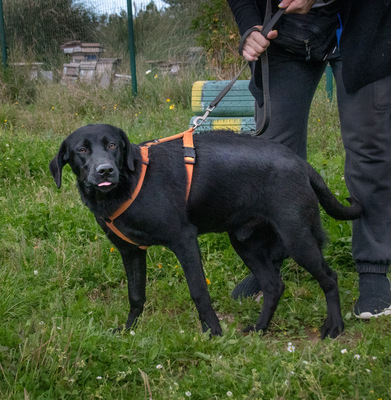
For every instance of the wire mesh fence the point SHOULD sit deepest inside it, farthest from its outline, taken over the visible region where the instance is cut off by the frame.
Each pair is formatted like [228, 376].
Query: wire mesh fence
[56, 38]
[36, 30]
[117, 6]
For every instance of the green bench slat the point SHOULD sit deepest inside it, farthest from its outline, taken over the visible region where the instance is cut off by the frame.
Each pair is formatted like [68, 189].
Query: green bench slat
[238, 102]
[236, 110]
[239, 124]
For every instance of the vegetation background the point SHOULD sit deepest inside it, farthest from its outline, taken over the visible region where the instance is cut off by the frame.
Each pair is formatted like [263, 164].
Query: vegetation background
[62, 285]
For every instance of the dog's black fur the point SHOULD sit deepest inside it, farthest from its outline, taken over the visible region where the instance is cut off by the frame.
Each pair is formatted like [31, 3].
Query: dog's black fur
[258, 191]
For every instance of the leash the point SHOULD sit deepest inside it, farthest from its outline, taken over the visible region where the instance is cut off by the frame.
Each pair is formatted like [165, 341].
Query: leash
[268, 24]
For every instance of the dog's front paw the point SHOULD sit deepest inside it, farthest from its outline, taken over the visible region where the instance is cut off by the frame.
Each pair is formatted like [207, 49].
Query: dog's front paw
[332, 328]
[254, 328]
[249, 329]
[215, 331]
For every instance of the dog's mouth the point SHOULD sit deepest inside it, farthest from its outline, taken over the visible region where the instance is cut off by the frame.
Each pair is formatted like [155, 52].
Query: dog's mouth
[106, 186]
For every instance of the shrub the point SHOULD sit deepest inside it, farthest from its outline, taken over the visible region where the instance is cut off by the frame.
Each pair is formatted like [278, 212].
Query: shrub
[217, 33]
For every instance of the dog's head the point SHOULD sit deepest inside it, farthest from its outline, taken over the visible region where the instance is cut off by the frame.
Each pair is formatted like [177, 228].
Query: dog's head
[97, 154]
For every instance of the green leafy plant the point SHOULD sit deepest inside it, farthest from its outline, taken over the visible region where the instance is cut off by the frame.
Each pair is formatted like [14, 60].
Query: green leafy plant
[217, 33]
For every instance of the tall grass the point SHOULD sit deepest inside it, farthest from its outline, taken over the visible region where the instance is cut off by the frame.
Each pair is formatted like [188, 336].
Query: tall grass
[63, 288]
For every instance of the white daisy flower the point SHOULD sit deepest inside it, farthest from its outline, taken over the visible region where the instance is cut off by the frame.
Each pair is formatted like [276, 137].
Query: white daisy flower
[291, 348]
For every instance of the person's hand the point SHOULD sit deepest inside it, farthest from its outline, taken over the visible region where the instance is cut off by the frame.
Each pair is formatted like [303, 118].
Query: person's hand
[297, 6]
[255, 44]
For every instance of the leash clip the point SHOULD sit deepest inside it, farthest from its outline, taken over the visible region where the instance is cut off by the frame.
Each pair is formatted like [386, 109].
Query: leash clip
[200, 120]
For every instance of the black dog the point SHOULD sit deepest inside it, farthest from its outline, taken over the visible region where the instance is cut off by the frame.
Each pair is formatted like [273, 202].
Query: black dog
[258, 191]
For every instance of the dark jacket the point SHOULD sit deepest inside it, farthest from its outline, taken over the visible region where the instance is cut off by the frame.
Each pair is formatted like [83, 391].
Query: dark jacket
[366, 37]
[365, 42]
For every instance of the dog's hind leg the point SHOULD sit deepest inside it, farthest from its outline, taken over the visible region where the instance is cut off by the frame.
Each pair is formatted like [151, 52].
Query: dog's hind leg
[305, 249]
[187, 251]
[333, 325]
[263, 255]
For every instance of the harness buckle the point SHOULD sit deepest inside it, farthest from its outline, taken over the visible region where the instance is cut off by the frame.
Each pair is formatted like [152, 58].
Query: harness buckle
[189, 155]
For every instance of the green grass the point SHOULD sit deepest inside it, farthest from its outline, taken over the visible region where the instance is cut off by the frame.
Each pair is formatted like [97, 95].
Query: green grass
[63, 288]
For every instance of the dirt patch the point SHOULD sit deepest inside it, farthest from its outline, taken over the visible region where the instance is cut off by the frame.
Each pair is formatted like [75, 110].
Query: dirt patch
[230, 318]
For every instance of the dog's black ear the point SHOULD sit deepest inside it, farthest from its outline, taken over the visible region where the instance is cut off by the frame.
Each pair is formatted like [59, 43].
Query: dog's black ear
[58, 162]
[131, 154]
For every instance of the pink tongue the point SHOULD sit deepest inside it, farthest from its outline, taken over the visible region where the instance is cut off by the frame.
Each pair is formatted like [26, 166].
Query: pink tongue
[105, 184]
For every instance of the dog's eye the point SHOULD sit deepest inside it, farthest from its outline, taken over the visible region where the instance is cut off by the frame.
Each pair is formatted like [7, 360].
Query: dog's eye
[112, 146]
[82, 150]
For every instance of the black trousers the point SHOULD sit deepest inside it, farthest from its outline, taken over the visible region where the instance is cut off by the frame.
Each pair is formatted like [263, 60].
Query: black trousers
[366, 133]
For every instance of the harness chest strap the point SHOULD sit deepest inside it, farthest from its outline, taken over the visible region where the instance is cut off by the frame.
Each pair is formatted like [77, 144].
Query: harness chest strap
[189, 157]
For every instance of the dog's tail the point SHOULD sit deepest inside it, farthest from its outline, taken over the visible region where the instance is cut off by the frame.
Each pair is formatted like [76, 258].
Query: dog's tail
[328, 201]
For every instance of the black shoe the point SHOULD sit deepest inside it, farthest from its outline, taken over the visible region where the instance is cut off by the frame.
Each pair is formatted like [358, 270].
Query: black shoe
[248, 287]
[375, 296]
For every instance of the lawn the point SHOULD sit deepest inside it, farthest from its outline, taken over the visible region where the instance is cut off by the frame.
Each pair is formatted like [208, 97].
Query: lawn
[63, 288]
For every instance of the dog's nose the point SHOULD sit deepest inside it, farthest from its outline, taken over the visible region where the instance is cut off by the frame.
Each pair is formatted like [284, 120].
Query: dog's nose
[104, 169]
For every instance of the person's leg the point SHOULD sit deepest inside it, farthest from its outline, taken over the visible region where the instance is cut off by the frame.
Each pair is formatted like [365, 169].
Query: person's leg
[292, 86]
[365, 117]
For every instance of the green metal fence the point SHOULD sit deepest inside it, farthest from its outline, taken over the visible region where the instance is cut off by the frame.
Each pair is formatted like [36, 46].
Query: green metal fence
[41, 25]
[34, 31]
[2, 36]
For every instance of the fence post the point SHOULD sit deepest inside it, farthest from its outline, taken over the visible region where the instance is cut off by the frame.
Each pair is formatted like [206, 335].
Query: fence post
[2, 36]
[329, 82]
[131, 48]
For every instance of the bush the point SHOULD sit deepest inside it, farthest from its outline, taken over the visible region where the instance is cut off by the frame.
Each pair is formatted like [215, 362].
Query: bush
[16, 86]
[218, 34]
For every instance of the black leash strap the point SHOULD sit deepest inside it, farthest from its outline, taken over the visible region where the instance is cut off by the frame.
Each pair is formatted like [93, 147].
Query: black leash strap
[268, 24]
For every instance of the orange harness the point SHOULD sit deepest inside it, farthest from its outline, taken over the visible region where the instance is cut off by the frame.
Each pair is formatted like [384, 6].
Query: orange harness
[189, 157]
